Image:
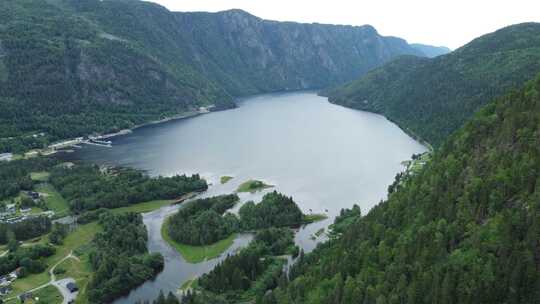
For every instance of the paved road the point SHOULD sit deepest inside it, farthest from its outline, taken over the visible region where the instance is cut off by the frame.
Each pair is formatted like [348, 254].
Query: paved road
[61, 284]
[68, 295]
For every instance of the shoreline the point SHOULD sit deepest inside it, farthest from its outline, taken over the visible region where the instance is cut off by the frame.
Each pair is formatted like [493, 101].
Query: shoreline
[410, 133]
[69, 143]
[194, 254]
[154, 122]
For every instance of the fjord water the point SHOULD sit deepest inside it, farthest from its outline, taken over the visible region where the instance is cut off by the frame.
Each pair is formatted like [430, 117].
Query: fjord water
[325, 156]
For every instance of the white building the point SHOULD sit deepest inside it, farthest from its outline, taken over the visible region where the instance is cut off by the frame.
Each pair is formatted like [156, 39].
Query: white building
[11, 208]
[6, 156]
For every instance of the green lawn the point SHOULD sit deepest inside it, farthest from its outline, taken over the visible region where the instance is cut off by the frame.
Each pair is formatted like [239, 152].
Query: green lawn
[36, 210]
[315, 217]
[80, 271]
[40, 176]
[417, 164]
[46, 295]
[252, 185]
[143, 207]
[319, 232]
[225, 179]
[17, 156]
[72, 268]
[49, 295]
[193, 284]
[54, 200]
[82, 235]
[197, 254]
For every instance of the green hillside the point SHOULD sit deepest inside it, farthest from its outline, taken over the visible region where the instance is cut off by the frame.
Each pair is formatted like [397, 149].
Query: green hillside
[465, 229]
[433, 97]
[74, 67]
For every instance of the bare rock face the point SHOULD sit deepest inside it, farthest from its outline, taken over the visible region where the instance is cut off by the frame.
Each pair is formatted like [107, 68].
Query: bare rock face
[269, 55]
[117, 63]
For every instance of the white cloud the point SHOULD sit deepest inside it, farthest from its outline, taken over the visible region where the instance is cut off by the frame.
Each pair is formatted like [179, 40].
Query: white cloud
[449, 23]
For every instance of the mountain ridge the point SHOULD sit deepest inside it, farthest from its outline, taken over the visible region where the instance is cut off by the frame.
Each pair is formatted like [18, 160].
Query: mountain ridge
[74, 68]
[433, 97]
[430, 50]
[463, 229]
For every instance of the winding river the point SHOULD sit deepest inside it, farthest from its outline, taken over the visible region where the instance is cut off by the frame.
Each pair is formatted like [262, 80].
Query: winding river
[325, 156]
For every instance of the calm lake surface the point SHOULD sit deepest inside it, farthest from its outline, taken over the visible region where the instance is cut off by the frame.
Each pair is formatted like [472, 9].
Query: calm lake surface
[325, 156]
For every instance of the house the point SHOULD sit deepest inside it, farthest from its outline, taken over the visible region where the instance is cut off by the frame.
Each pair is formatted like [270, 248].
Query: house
[25, 296]
[48, 213]
[15, 274]
[4, 281]
[4, 215]
[4, 290]
[72, 287]
[26, 210]
[31, 153]
[6, 156]
[33, 195]
[10, 208]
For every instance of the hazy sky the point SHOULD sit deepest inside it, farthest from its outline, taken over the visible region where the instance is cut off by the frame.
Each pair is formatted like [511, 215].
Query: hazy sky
[450, 23]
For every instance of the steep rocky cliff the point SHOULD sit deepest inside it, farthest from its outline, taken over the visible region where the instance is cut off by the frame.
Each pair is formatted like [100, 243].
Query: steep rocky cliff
[73, 67]
[247, 54]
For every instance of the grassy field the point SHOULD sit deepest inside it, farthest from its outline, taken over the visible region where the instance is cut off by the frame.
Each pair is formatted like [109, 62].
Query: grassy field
[197, 254]
[40, 176]
[415, 165]
[143, 207]
[315, 217]
[225, 179]
[54, 200]
[78, 270]
[252, 185]
[49, 295]
[191, 284]
[82, 235]
[46, 295]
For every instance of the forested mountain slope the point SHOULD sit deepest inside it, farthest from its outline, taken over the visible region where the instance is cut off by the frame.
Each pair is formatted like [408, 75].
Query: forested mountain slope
[465, 229]
[433, 97]
[72, 67]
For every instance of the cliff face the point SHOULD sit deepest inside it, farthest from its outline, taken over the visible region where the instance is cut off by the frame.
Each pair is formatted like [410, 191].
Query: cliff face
[72, 67]
[247, 54]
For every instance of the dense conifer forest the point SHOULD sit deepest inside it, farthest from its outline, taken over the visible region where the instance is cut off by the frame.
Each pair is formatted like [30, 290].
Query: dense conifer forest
[119, 257]
[248, 274]
[431, 98]
[90, 187]
[205, 221]
[463, 230]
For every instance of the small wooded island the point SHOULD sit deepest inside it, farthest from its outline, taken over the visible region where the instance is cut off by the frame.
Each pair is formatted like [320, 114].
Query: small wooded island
[225, 179]
[252, 185]
[203, 229]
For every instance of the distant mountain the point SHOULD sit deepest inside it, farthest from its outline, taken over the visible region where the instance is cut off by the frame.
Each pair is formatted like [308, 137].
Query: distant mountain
[431, 98]
[431, 51]
[73, 67]
[251, 55]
